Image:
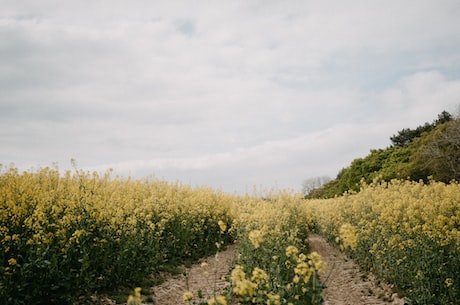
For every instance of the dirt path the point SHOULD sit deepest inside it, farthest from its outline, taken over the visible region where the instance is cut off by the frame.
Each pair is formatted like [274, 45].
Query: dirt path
[205, 278]
[346, 285]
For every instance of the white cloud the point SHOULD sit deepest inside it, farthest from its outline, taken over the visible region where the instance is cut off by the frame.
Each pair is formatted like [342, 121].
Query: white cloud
[228, 93]
[420, 97]
[284, 162]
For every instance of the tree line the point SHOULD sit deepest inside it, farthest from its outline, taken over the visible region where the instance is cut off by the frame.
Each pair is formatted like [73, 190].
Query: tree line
[428, 152]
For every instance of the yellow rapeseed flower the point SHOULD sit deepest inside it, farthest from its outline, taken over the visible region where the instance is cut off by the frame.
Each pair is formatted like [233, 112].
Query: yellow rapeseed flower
[348, 236]
[259, 275]
[136, 298]
[273, 299]
[291, 251]
[256, 237]
[302, 268]
[219, 300]
[241, 285]
[187, 297]
[238, 274]
[222, 226]
[316, 261]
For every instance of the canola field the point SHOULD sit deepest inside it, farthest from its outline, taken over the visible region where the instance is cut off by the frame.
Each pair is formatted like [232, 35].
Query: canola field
[66, 236]
[406, 233]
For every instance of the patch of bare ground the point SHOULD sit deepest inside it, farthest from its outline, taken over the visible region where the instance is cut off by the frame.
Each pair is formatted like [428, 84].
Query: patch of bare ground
[207, 278]
[346, 284]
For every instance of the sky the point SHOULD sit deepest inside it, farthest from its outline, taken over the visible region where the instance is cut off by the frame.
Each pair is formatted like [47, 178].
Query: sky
[222, 94]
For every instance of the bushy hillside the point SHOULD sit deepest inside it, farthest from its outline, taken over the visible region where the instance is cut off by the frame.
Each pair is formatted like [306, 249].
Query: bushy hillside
[430, 151]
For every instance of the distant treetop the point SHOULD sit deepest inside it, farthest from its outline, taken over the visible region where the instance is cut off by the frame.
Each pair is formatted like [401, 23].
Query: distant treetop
[406, 135]
[428, 152]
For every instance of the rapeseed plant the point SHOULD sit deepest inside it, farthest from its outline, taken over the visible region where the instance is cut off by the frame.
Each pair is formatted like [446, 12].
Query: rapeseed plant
[219, 300]
[135, 299]
[348, 237]
[385, 226]
[77, 232]
[273, 268]
[187, 297]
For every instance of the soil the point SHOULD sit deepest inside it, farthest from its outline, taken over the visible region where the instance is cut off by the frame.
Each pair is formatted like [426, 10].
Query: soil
[345, 283]
[208, 279]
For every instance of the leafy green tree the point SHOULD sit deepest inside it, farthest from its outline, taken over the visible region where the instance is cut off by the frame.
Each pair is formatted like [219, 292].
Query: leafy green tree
[407, 135]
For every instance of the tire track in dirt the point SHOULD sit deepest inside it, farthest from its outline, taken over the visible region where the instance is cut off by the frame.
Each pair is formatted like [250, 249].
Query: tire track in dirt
[346, 284]
[208, 279]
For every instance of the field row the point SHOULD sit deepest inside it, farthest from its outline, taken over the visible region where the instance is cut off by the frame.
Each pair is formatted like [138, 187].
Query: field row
[65, 237]
[407, 233]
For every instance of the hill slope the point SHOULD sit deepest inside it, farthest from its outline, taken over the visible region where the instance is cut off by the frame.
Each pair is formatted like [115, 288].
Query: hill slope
[430, 151]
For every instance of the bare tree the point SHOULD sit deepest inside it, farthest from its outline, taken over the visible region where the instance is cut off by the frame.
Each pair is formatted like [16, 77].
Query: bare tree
[441, 153]
[313, 183]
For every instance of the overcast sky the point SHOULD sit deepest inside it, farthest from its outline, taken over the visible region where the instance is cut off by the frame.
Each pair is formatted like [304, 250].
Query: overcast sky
[226, 94]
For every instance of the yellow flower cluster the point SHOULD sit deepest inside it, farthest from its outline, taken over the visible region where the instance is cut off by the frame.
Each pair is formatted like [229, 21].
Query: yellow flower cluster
[316, 262]
[406, 232]
[260, 289]
[259, 276]
[67, 232]
[218, 300]
[222, 226]
[272, 235]
[242, 286]
[347, 234]
[135, 299]
[256, 237]
[291, 251]
[187, 297]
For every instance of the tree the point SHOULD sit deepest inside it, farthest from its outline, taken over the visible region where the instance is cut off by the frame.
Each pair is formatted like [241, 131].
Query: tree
[416, 154]
[439, 152]
[313, 183]
[443, 117]
[407, 135]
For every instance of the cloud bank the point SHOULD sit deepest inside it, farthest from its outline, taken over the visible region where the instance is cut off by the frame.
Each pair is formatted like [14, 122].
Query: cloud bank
[223, 94]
